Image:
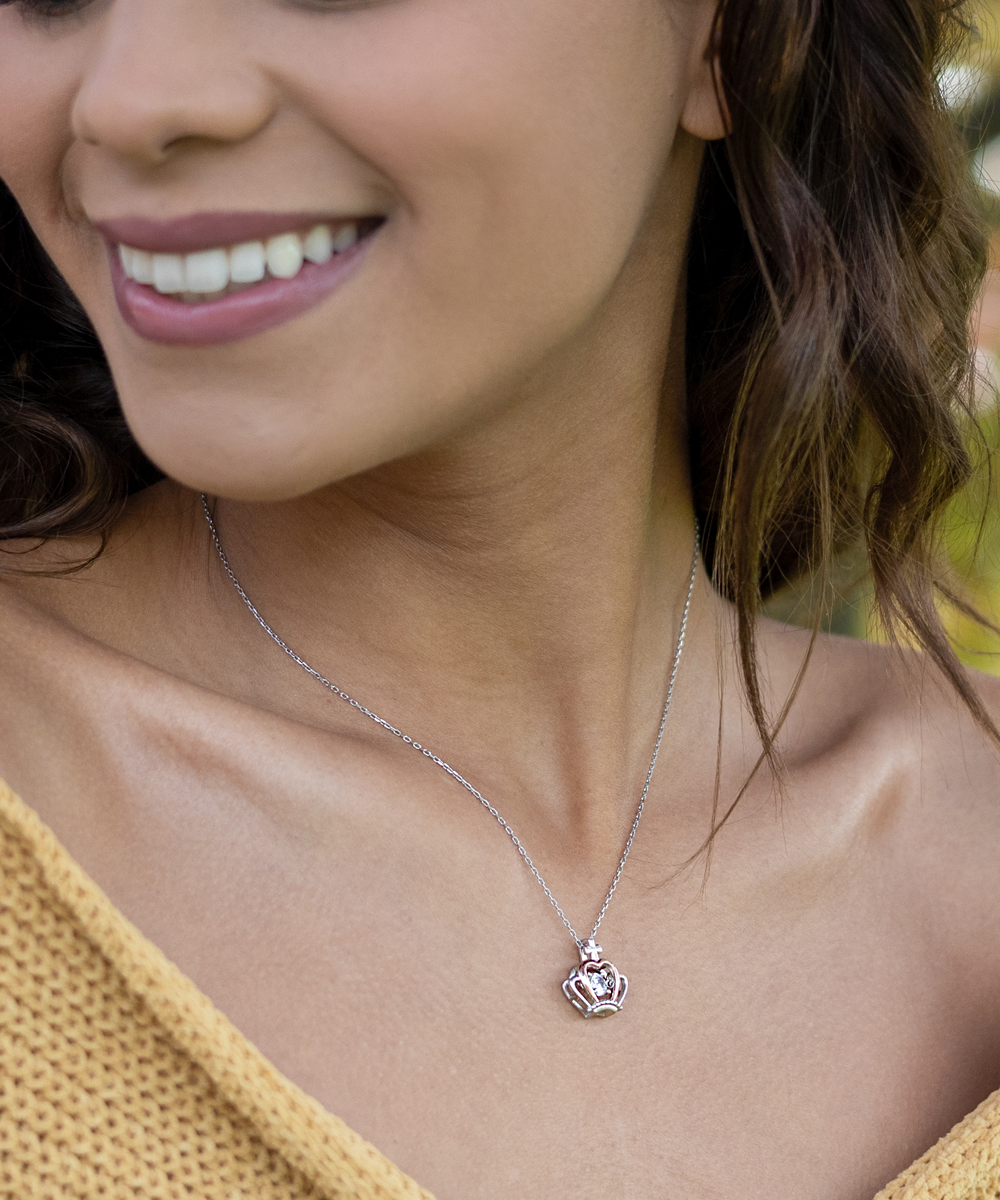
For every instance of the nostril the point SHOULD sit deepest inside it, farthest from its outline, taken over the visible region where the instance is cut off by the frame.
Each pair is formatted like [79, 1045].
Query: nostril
[159, 85]
[142, 129]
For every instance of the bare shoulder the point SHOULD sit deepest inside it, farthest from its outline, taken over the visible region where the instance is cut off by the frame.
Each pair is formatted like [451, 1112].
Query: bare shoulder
[923, 775]
[896, 706]
[904, 705]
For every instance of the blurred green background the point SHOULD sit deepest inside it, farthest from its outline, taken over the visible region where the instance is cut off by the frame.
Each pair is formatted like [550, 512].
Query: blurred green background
[971, 532]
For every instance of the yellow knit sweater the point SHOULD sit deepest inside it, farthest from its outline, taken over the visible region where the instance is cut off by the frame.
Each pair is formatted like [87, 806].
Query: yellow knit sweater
[118, 1078]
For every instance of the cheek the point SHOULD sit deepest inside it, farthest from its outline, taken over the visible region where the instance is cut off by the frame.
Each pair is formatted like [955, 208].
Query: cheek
[526, 140]
[39, 78]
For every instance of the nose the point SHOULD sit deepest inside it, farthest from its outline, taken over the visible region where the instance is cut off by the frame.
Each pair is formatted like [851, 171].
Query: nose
[168, 73]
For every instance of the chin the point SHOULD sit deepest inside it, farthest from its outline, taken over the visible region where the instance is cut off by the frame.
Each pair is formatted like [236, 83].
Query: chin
[258, 474]
[273, 458]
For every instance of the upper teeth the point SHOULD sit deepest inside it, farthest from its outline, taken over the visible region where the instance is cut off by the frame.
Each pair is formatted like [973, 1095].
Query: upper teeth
[208, 271]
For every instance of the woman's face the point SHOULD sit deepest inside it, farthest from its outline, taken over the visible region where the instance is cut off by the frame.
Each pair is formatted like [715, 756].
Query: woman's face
[496, 161]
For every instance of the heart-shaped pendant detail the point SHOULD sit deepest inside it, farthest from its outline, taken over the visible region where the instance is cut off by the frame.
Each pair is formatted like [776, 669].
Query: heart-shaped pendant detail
[595, 988]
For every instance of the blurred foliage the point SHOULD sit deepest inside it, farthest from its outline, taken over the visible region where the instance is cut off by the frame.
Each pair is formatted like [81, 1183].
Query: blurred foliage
[986, 18]
[972, 539]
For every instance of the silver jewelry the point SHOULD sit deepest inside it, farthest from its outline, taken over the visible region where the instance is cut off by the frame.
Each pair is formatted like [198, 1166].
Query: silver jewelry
[595, 987]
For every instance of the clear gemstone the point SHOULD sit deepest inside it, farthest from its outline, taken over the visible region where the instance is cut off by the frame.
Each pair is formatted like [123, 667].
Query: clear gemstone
[601, 983]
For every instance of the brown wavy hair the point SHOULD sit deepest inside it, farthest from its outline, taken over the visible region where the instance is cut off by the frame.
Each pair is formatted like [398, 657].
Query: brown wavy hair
[835, 255]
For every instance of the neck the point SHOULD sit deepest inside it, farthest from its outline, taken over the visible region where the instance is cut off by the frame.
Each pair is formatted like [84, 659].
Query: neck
[510, 599]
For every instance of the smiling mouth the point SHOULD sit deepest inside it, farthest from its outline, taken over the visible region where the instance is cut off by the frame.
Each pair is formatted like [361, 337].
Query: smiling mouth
[211, 278]
[203, 276]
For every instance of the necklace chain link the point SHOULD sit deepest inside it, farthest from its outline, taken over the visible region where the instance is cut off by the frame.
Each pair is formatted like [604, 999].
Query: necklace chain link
[440, 762]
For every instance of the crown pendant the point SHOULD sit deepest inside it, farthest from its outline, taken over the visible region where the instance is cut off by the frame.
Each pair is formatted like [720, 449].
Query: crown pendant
[595, 988]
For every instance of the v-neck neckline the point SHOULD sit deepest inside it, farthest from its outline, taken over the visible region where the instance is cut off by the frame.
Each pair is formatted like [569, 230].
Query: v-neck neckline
[309, 1137]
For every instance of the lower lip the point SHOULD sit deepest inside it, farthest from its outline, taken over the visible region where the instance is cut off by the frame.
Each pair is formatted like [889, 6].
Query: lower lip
[161, 318]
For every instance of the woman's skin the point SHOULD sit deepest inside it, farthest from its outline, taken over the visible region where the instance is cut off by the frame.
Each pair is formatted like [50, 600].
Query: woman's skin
[458, 487]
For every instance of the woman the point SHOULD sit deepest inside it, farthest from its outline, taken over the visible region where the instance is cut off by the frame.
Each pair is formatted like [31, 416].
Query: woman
[458, 314]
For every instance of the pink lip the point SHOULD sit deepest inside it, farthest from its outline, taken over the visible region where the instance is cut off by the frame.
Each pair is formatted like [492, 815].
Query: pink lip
[171, 322]
[205, 231]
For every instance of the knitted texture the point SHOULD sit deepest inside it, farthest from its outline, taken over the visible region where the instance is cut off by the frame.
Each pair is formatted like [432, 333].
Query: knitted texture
[119, 1079]
[964, 1165]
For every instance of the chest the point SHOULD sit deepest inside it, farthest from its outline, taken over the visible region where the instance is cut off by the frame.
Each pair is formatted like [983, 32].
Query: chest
[405, 970]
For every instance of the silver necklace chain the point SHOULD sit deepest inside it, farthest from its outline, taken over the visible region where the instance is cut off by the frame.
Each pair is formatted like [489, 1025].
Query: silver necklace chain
[434, 758]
